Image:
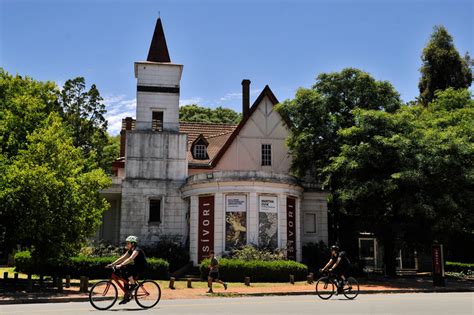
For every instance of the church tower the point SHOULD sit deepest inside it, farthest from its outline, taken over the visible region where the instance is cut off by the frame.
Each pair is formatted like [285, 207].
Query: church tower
[158, 83]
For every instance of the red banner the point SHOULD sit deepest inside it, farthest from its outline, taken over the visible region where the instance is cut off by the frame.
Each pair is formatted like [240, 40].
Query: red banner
[206, 227]
[291, 228]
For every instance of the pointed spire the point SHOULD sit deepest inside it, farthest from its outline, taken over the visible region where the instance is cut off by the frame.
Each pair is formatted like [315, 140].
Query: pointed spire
[158, 49]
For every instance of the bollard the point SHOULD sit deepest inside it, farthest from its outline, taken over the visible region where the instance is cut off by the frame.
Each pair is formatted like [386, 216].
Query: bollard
[68, 281]
[84, 285]
[190, 285]
[15, 280]
[5, 275]
[171, 286]
[59, 284]
[247, 281]
[41, 282]
[310, 278]
[54, 280]
[292, 279]
[29, 284]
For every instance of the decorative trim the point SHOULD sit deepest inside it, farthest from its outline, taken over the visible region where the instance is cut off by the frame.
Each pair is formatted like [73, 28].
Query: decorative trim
[157, 89]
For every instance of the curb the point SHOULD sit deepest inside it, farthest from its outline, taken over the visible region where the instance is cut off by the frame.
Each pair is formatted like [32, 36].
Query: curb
[257, 294]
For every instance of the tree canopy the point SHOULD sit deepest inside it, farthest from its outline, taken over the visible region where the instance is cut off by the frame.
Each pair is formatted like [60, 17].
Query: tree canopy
[196, 113]
[443, 66]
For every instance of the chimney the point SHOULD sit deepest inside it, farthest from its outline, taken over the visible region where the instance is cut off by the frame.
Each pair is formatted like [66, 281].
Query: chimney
[126, 125]
[245, 97]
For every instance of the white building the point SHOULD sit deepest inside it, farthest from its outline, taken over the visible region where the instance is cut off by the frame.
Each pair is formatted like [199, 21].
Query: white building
[215, 186]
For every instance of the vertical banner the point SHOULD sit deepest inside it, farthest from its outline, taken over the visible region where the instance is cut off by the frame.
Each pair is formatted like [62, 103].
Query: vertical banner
[205, 226]
[268, 222]
[291, 228]
[235, 221]
[438, 265]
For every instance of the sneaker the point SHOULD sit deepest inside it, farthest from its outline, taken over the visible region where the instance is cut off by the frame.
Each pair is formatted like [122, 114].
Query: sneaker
[225, 285]
[125, 300]
[210, 291]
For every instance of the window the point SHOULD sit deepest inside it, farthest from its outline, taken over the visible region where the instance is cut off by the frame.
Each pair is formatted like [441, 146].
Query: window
[266, 154]
[155, 210]
[200, 152]
[367, 248]
[157, 121]
[310, 223]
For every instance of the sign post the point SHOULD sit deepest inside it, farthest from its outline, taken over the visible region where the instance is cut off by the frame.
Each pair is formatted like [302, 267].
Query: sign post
[438, 265]
[205, 227]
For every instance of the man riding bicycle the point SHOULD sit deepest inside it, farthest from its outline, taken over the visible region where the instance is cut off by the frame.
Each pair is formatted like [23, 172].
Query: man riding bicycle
[132, 263]
[338, 264]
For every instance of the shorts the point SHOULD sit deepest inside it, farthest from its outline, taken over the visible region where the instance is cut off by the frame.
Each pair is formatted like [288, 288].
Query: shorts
[214, 275]
[132, 271]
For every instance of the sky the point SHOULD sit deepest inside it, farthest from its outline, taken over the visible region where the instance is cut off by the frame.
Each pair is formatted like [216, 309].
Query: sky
[284, 44]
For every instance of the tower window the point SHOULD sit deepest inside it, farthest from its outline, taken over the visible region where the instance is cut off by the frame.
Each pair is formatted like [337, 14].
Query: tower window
[200, 152]
[155, 210]
[266, 154]
[157, 121]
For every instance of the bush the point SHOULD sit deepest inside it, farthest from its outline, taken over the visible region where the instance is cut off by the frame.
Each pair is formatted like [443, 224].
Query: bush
[171, 249]
[316, 255]
[249, 253]
[458, 267]
[92, 267]
[100, 249]
[259, 271]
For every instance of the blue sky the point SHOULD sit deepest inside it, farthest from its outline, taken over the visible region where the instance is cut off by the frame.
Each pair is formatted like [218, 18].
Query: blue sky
[281, 43]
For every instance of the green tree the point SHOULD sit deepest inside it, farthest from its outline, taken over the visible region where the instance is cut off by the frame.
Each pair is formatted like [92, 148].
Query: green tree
[409, 175]
[317, 114]
[196, 113]
[50, 199]
[443, 67]
[24, 103]
[83, 111]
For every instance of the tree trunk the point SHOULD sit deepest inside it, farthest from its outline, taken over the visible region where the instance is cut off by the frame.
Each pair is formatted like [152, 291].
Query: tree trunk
[389, 257]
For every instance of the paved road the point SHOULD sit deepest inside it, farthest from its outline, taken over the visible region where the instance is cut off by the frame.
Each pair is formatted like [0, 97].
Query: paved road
[421, 303]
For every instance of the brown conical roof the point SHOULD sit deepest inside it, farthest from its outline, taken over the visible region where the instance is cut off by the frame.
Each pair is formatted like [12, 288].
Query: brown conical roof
[158, 49]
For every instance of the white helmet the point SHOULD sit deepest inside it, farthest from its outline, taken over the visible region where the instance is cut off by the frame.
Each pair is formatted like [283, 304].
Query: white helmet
[132, 239]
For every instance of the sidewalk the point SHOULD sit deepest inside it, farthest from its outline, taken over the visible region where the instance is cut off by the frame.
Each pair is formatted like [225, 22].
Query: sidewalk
[399, 285]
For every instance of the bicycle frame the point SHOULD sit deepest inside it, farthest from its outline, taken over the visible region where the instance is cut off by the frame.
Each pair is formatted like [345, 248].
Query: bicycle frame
[121, 283]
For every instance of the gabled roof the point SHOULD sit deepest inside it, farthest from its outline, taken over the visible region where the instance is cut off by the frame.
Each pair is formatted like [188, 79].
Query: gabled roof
[265, 92]
[158, 49]
[215, 134]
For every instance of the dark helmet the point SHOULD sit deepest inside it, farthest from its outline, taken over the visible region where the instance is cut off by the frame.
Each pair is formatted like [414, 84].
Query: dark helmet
[335, 247]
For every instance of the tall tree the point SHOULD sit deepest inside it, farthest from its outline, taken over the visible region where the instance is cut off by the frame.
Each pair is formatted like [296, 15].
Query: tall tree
[318, 113]
[196, 113]
[24, 102]
[83, 111]
[50, 199]
[408, 174]
[443, 66]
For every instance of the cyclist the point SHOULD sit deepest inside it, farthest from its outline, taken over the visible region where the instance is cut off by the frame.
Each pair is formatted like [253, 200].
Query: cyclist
[132, 263]
[214, 273]
[339, 264]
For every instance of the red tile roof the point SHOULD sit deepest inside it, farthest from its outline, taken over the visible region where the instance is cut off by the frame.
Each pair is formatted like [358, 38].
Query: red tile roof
[216, 134]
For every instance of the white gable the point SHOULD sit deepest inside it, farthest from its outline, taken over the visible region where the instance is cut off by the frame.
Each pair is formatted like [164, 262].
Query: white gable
[264, 126]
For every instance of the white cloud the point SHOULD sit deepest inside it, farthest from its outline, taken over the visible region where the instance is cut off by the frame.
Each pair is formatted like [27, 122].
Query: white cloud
[118, 107]
[189, 101]
[236, 95]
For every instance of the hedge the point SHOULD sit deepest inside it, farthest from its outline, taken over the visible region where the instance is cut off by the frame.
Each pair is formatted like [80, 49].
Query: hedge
[259, 271]
[92, 267]
[459, 267]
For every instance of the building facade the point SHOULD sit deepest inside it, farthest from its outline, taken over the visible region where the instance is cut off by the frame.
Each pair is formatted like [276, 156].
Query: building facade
[213, 186]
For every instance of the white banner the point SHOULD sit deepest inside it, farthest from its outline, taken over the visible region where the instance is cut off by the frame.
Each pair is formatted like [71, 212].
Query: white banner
[236, 203]
[268, 204]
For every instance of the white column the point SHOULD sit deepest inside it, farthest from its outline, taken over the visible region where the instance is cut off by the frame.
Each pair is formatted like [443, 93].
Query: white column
[252, 212]
[219, 223]
[282, 229]
[299, 254]
[193, 229]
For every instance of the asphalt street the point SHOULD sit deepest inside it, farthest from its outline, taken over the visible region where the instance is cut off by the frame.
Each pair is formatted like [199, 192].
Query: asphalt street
[420, 303]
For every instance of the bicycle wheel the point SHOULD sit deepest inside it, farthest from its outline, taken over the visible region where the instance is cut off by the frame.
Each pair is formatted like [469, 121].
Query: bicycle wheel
[103, 295]
[148, 294]
[351, 288]
[324, 288]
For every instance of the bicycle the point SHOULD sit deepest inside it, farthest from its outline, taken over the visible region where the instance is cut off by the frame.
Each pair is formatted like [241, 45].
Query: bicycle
[326, 284]
[104, 294]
